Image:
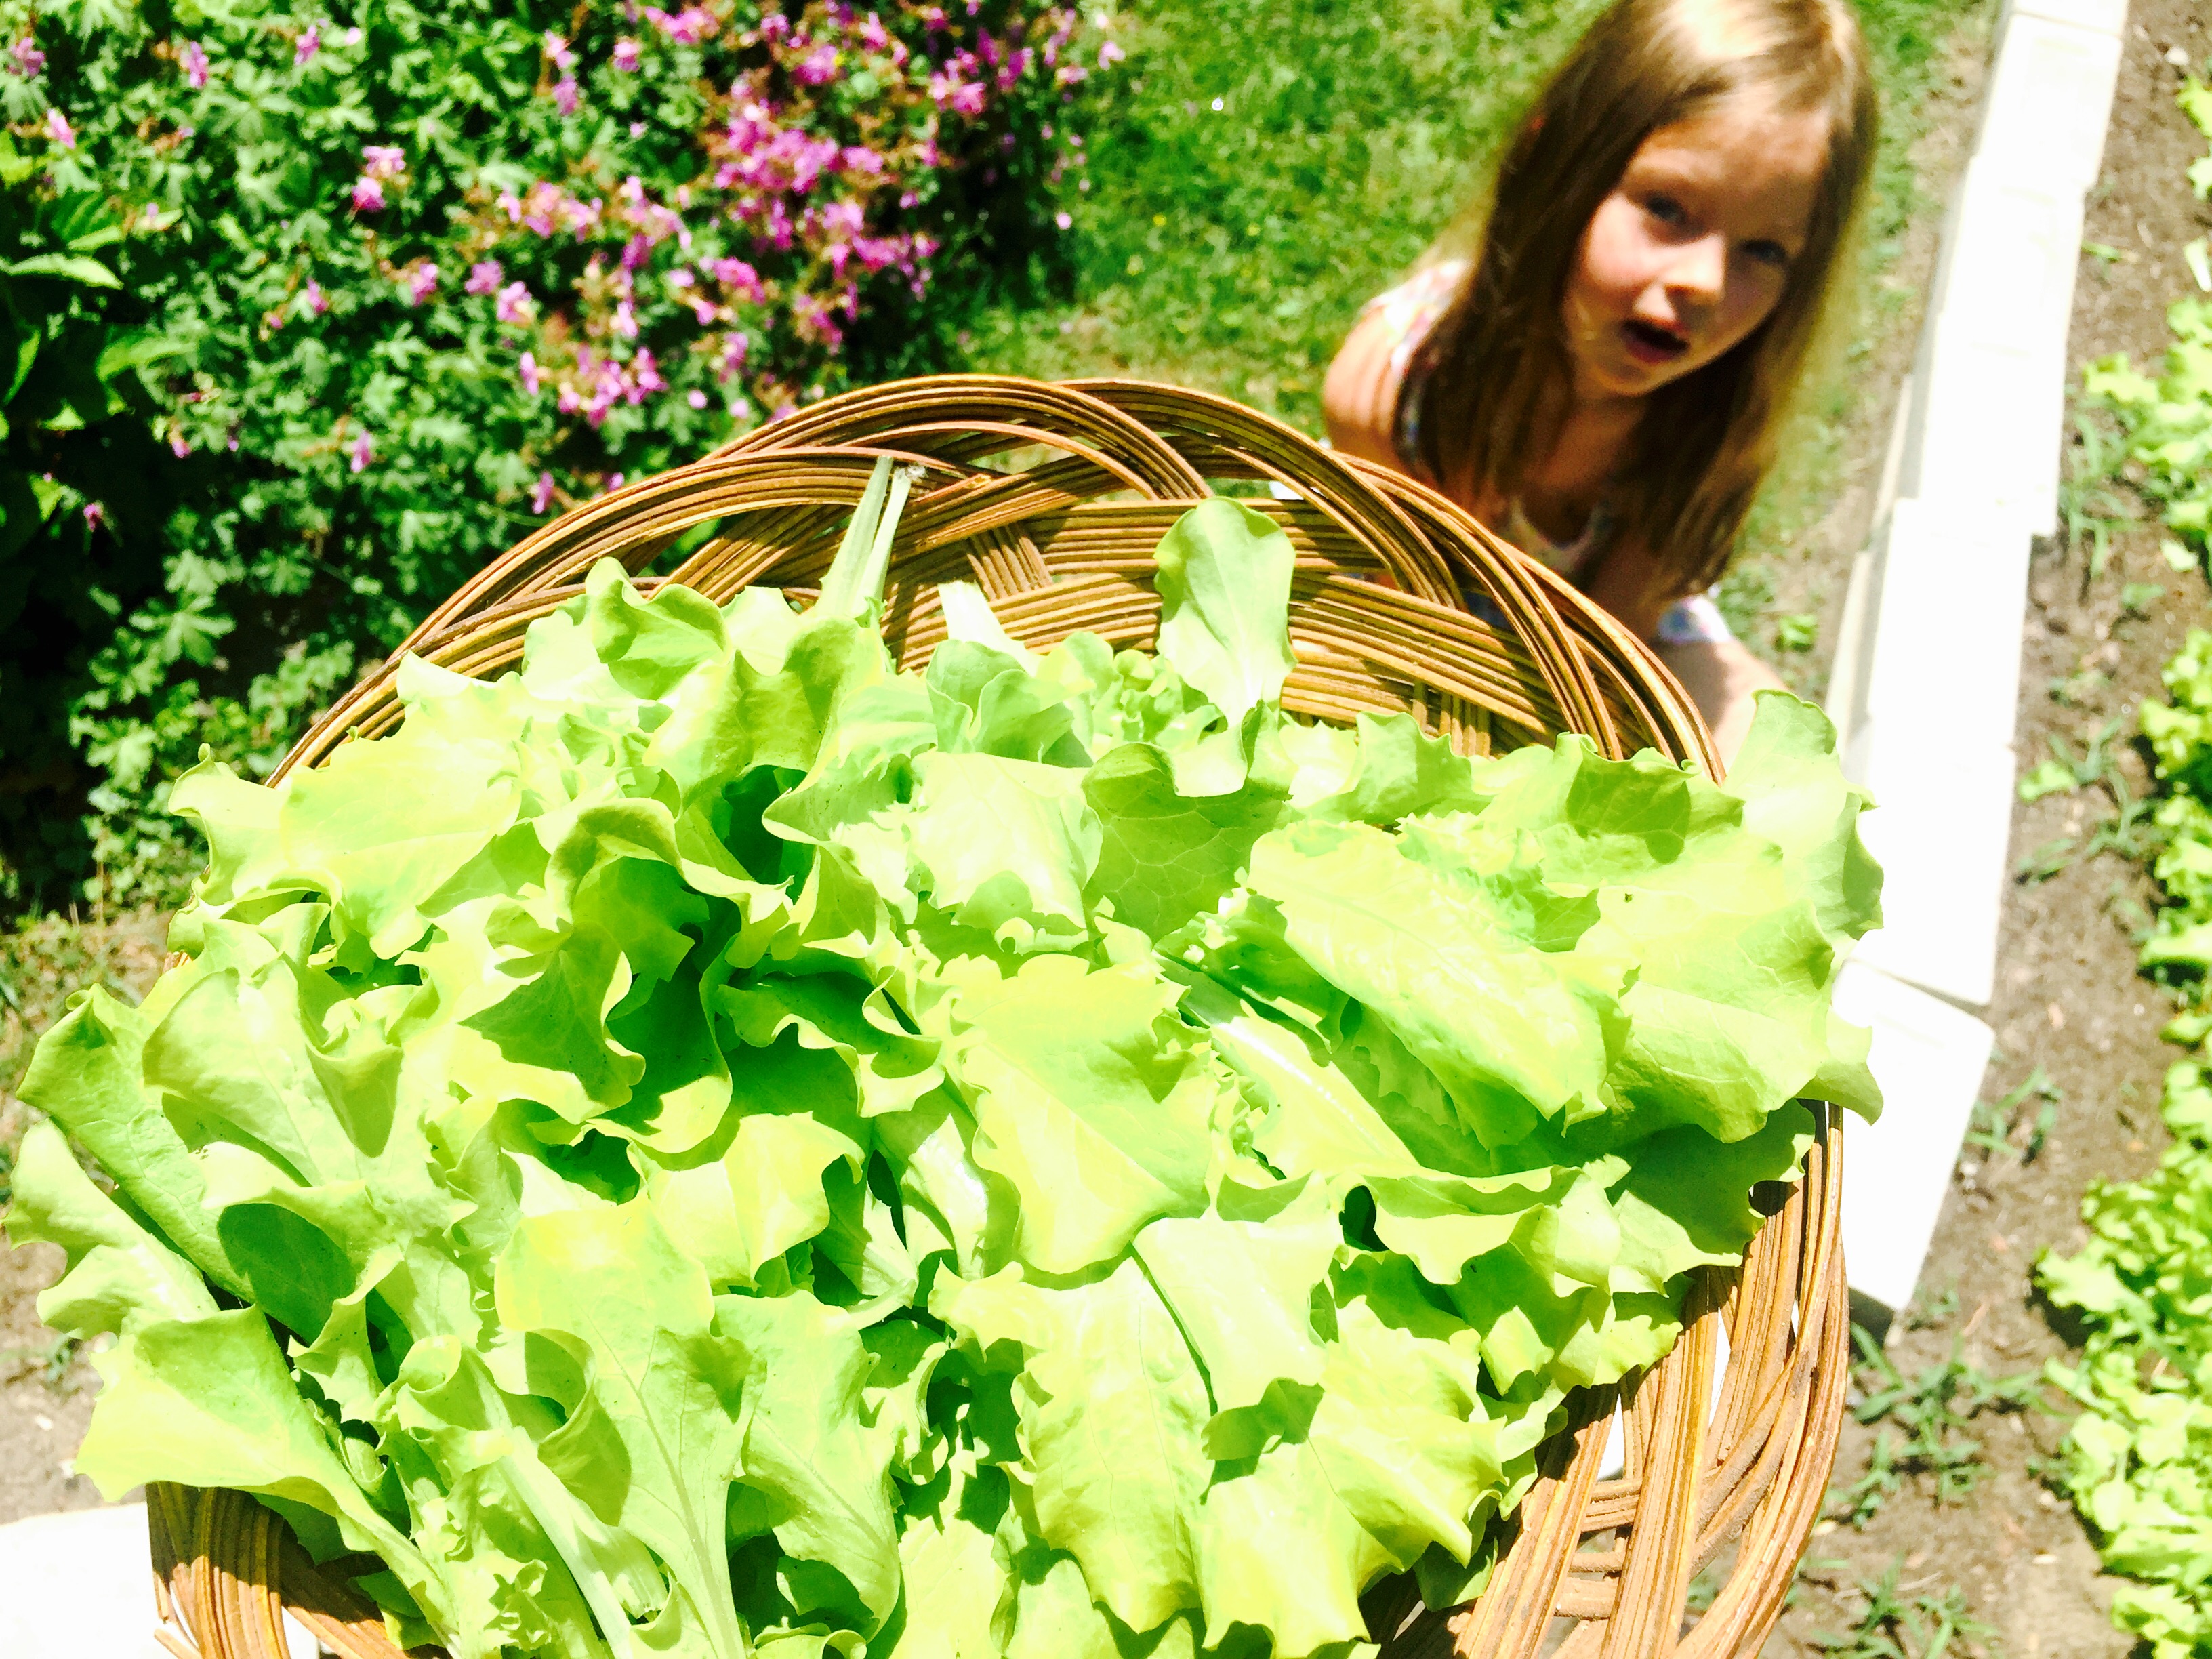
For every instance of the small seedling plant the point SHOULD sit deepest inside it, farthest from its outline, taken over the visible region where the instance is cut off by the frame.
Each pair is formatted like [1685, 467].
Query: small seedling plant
[2131, 830]
[1893, 1625]
[2011, 1127]
[1926, 1427]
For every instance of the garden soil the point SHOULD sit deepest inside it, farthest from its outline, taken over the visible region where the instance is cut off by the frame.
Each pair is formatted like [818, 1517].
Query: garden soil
[2068, 1000]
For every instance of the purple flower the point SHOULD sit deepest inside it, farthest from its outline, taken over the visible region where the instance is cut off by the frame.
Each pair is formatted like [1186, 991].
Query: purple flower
[178, 446]
[582, 217]
[195, 65]
[625, 321]
[647, 373]
[367, 195]
[626, 58]
[529, 367]
[383, 160]
[513, 304]
[739, 277]
[29, 60]
[772, 27]
[308, 45]
[312, 298]
[1110, 54]
[689, 26]
[362, 451]
[696, 399]
[94, 515]
[817, 67]
[484, 277]
[615, 483]
[872, 35]
[564, 94]
[733, 353]
[541, 493]
[1062, 220]
[419, 282]
[59, 129]
[557, 49]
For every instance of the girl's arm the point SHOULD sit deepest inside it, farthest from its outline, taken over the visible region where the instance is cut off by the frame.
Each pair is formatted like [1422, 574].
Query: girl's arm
[1719, 675]
[1359, 396]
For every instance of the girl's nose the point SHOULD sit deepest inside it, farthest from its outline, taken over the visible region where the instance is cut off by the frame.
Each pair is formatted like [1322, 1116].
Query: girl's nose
[1698, 269]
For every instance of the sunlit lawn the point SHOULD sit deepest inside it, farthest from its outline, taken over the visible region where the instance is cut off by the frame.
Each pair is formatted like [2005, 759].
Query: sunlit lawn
[1259, 169]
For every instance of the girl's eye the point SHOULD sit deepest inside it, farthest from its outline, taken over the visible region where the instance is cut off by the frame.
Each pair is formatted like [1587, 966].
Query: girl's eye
[1665, 208]
[1768, 253]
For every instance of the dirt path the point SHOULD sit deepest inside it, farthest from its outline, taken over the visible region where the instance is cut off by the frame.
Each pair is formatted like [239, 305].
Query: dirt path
[2068, 1001]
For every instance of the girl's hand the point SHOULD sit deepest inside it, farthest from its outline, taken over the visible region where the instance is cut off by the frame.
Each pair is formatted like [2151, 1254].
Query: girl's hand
[1721, 676]
[1359, 396]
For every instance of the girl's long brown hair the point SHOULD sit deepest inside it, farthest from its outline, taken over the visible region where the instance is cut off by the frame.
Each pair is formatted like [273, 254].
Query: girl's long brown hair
[1705, 441]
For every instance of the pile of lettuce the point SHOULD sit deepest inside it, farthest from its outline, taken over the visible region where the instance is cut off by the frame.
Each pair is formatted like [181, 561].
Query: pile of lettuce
[709, 1145]
[2139, 1458]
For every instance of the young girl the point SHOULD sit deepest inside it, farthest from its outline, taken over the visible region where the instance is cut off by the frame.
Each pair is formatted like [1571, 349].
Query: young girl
[1603, 383]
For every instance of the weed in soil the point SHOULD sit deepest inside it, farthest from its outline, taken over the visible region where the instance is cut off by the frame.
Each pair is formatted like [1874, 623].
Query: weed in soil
[1924, 1421]
[1892, 1624]
[2011, 1127]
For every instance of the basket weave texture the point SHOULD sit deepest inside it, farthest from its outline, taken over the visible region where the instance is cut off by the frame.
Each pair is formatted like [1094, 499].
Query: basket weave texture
[1051, 498]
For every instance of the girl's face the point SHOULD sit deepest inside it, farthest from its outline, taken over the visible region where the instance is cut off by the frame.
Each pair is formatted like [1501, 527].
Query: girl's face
[1693, 247]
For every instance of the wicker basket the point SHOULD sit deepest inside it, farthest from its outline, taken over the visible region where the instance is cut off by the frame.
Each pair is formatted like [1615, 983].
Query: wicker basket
[1051, 498]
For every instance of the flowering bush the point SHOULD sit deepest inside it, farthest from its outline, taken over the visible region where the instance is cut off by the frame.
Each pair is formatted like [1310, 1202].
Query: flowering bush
[406, 281]
[73, 416]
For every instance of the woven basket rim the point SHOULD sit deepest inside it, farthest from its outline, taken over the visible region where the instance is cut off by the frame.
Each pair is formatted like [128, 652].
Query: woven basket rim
[1717, 1456]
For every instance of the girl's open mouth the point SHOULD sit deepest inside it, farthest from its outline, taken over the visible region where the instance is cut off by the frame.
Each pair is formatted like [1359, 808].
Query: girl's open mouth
[1648, 342]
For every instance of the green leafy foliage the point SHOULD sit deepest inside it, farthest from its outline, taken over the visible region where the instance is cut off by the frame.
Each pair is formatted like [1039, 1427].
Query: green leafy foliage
[2179, 951]
[1798, 630]
[382, 288]
[76, 416]
[709, 1143]
[2166, 421]
[2138, 1461]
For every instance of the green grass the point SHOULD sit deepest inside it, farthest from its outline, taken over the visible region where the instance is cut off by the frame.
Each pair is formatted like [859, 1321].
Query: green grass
[1231, 248]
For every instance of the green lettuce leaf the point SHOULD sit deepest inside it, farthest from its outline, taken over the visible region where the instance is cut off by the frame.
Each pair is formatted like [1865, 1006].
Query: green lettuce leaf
[709, 1144]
